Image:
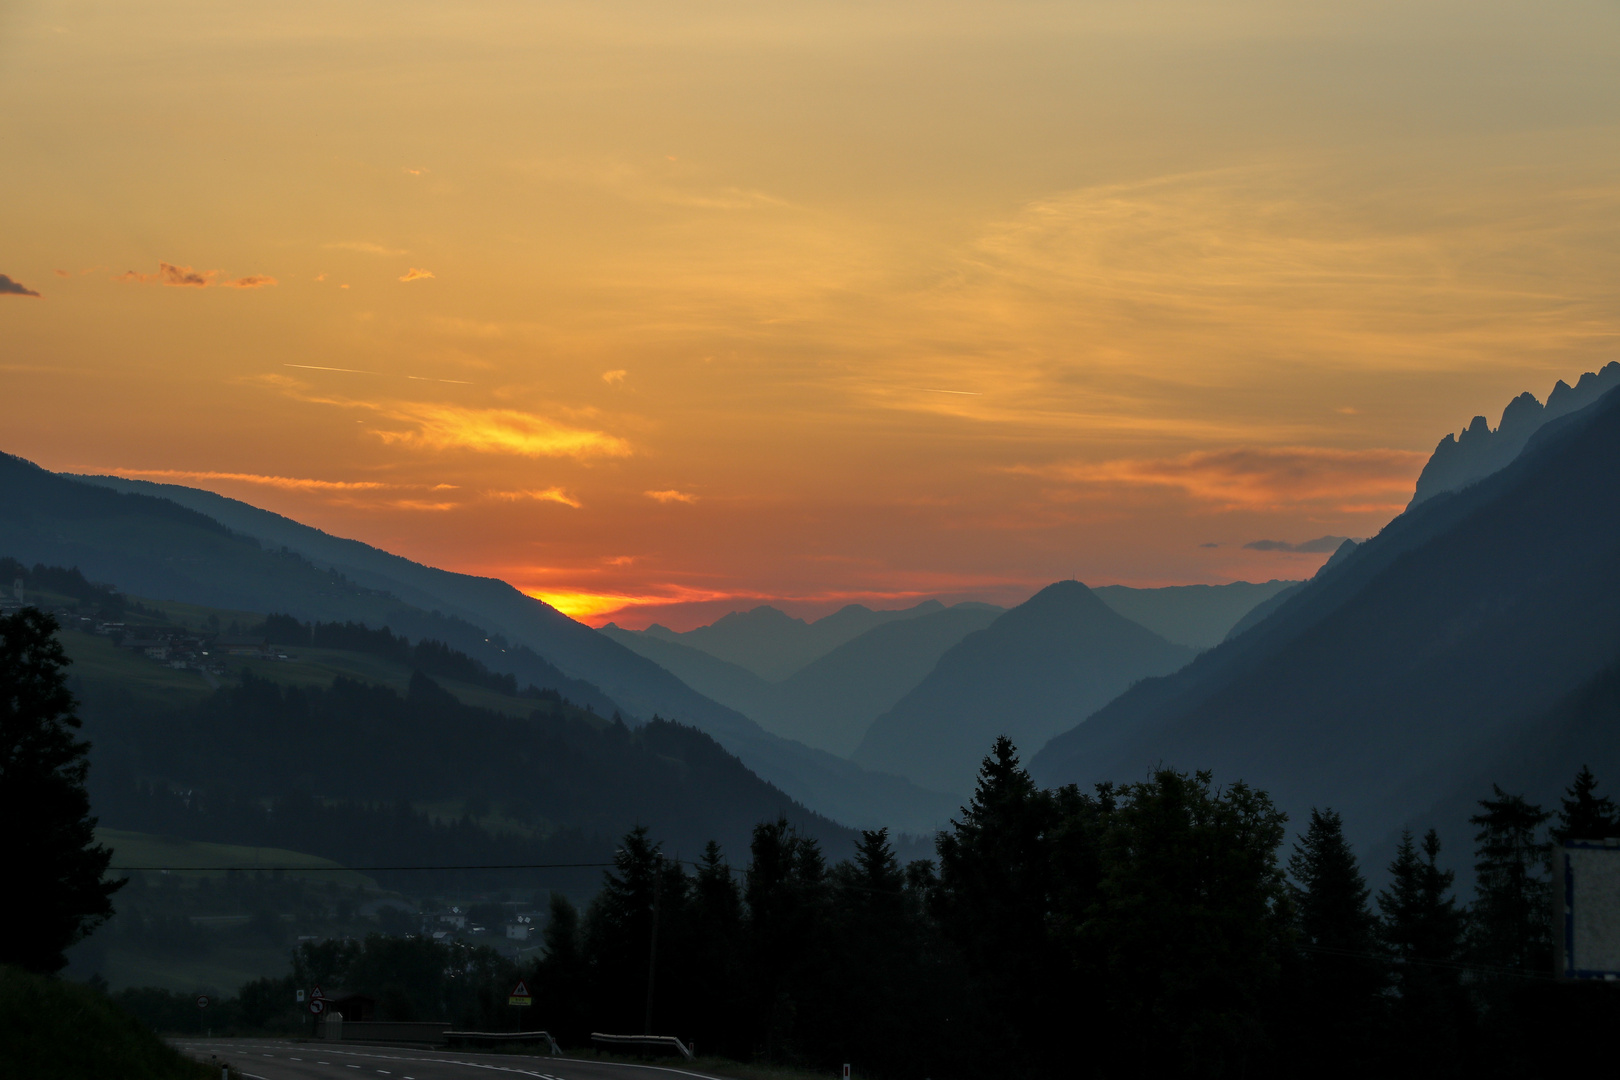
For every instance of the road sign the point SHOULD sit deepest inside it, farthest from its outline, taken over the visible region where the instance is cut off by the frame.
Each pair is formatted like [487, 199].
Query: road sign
[317, 994]
[317, 1006]
[300, 997]
[202, 1001]
[520, 996]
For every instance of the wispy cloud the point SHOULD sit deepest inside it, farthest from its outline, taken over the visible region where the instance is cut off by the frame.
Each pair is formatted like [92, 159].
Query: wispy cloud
[615, 377]
[186, 277]
[1257, 478]
[11, 287]
[550, 494]
[1320, 546]
[502, 431]
[365, 247]
[416, 274]
[671, 496]
[288, 483]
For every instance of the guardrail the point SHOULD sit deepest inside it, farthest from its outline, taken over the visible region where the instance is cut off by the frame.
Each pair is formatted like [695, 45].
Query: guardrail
[645, 1042]
[499, 1038]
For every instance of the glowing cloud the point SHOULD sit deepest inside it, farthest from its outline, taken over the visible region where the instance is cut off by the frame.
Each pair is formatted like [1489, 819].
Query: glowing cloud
[416, 274]
[252, 281]
[185, 277]
[615, 377]
[288, 483]
[1258, 478]
[671, 496]
[550, 494]
[498, 431]
[365, 246]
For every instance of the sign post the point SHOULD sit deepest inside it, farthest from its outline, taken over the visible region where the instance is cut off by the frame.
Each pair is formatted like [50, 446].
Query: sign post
[317, 1005]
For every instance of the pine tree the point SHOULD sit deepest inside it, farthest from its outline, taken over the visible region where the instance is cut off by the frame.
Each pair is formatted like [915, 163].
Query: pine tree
[992, 904]
[1509, 927]
[1422, 929]
[1341, 973]
[1585, 815]
[47, 836]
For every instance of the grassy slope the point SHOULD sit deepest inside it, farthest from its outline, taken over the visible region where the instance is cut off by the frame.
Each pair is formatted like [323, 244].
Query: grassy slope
[142, 849]
[52, 1028]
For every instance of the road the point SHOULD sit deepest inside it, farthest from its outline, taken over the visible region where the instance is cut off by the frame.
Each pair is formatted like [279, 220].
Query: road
[273, 1059]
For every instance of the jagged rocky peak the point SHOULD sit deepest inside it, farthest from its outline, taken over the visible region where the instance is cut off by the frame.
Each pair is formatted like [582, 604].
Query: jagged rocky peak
[1460, 460]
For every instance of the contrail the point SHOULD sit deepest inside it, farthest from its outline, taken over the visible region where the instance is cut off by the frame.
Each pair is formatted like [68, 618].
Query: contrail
[317, 367]
[931, 390]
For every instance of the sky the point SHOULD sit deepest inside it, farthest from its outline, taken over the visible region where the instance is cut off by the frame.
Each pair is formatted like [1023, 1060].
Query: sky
[663, 310]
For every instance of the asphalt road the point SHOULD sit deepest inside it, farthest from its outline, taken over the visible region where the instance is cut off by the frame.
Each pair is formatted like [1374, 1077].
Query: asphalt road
[273, 1059]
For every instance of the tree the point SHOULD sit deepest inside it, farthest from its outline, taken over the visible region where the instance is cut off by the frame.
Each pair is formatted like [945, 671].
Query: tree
[1341, 973]
[1586, 815]
[1422, 929]
[47, 835]
[1509, 926]
[786, 891]
[992, 904]
[1192, 919]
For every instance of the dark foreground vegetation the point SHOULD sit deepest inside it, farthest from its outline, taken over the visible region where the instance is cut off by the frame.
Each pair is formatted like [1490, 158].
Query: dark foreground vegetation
[1146, 929]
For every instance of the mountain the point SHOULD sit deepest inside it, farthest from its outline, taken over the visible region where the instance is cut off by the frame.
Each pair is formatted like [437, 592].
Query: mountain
[1033, 672]
[1479, 451]
[1199, 616]
[1395, 681]
[179, 543]
[773, 644]
[830, 702]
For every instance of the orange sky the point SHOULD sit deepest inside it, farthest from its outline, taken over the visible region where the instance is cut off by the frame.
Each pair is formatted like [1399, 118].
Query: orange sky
[660, 310]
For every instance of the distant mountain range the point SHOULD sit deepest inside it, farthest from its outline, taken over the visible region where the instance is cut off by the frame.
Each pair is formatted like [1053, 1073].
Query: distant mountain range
[1473, 640]
[1463, 459]
[179, 543]
[1035, 671]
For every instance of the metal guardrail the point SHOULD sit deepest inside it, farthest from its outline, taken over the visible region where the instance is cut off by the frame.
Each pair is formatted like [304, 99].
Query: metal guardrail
[647, 1042]
[502, 1037]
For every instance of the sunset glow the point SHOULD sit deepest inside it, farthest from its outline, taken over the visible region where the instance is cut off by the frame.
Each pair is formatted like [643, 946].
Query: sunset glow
[659, 311]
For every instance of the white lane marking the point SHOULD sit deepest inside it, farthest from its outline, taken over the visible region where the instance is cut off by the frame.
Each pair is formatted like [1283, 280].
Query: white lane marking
[255, 1076]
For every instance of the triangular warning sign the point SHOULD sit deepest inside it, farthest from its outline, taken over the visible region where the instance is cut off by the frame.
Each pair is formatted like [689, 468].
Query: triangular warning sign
[521, 991]
[316, 994]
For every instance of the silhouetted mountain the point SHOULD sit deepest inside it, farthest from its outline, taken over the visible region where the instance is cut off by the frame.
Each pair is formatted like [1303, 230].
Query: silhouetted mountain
[1396, 677]
[1196, 615]
[773, 644]
[830, 702]
[172, 542]
[1479, 451]
[1263, 610]
[1030, 674]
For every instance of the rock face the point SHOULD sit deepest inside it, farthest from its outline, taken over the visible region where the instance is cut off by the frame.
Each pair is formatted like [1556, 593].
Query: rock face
[1401, 682]
[1478, 452]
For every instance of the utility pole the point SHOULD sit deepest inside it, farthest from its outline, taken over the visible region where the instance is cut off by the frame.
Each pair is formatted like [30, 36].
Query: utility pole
[652, 951]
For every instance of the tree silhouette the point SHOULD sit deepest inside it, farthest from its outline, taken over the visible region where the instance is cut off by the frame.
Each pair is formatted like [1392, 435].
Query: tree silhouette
[1586, 815]
[47, 843]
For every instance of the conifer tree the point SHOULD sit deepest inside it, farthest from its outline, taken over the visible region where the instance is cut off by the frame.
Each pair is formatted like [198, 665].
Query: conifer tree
[1341, 973]
[1509, 924]
[47, 836]
[1585, 815]
[992, 904]
[1422, 929]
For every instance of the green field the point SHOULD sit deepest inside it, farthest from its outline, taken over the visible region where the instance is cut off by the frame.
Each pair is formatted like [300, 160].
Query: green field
[214, 860]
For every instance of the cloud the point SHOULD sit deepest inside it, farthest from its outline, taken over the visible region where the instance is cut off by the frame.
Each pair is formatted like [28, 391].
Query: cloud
[8, 287]
[415, 274]
[1259, 478]
[1322, 545]
[1209, 544]
[413, 172]
[550, 494]
[365, 246]
[497, 431]
[671, 496]
[186, 277]
[288, 483]
[58, 273]
[614, 377]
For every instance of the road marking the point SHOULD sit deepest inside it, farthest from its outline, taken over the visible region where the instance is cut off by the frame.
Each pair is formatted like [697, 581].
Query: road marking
[255, 1076]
